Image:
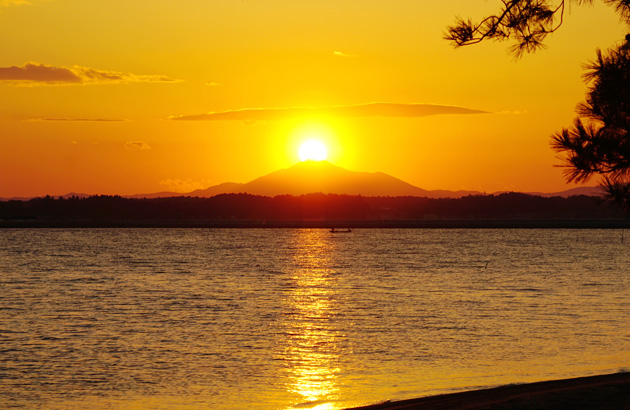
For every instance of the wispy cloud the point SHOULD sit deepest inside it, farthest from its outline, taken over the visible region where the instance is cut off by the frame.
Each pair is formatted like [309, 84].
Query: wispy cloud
[78, 119]
[31, 74]
[515, 112]
[184, 185]
[133, 145]
[361, 110]
[341, 54]
[5, 3]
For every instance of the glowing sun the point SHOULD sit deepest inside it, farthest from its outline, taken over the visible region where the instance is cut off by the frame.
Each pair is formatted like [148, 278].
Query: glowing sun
[313, 150]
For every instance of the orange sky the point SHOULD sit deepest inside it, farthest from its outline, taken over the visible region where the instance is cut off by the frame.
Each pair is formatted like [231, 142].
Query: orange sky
[94, 95]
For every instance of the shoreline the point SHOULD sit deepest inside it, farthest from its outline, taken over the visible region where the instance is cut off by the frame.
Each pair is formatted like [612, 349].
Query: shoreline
[321, 224]
[603, 392]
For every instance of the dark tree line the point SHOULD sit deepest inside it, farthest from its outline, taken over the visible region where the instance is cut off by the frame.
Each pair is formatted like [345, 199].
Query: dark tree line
[309, 207]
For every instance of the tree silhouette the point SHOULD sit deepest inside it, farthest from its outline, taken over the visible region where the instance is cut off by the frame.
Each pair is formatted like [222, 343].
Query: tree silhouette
[598, 143]
[526, 22]
[602, 144]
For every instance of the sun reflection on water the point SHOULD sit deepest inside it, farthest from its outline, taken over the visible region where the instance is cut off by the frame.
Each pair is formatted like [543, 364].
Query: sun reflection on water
[312, 343]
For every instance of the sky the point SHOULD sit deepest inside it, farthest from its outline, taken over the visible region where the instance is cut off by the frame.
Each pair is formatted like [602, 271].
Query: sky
[127, 97]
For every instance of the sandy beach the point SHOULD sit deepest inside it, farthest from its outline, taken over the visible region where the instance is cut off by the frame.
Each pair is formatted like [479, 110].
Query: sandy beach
[606, 392]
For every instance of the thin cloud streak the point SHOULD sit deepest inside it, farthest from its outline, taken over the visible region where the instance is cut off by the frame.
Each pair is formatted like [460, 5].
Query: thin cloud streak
[32, 74]
[79, 119]
[185, 185]
[6, 3]
[360, 110]
[137, 145]
[341, 54]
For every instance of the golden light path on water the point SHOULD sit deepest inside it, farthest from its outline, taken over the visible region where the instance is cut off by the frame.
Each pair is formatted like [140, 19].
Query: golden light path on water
[302, 319]
[311, 348]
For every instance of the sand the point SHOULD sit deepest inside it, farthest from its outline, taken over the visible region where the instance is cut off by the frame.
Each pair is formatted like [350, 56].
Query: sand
[607, 392]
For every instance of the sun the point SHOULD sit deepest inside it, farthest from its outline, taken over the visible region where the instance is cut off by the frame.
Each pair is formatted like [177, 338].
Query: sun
[313, 150]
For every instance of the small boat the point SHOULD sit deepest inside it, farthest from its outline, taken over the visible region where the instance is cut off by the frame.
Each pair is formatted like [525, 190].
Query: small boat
[335, 230]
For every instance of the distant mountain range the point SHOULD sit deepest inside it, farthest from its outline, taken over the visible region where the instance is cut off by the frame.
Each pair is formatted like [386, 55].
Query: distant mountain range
[318, 176]
[322, 176]
[584, 190]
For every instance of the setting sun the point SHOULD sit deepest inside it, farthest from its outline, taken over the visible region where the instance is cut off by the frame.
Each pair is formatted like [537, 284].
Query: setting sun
[313, 150]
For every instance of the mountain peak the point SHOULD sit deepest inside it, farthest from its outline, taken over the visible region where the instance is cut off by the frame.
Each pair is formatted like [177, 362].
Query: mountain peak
[312, 162]
[322, 176]
[310, 169]
[315, 166]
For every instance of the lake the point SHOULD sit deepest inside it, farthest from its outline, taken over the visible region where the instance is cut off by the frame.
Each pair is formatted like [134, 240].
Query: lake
[302, 318]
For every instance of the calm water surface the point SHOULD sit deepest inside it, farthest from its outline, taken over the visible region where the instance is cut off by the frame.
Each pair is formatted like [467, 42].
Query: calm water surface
[280, 319]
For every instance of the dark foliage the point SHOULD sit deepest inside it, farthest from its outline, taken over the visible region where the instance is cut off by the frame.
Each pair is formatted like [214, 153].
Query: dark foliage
[598, 143]
[526, 22]
[601, 146]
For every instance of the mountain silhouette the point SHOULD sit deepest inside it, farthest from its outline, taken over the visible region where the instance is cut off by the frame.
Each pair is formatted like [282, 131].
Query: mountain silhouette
[319, 176]
[322, 176]
[583, 190]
